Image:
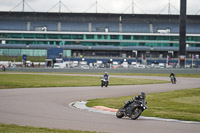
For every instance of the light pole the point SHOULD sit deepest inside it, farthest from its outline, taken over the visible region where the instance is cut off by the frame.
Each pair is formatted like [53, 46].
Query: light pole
[136, 52]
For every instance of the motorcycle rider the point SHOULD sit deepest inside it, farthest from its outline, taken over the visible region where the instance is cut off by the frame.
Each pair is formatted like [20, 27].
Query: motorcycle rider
[134, 108]
[106, 76]
[105, 80]
[142, 96]
[136, 99]
[172, 76]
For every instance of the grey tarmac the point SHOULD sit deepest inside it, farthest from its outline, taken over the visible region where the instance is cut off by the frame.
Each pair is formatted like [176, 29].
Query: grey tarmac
[49, 107]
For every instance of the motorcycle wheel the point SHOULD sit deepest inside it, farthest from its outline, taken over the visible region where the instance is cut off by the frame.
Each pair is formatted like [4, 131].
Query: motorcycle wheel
[106, 83]
[136, 113]
[102, 84]
[119, 114]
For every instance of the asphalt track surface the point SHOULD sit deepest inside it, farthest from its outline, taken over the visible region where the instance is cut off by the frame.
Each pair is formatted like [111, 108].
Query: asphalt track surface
[49, 107]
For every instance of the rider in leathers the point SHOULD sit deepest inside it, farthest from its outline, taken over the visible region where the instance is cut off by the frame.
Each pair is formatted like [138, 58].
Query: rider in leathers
[136, 99]
[106, 77]
[173, 75]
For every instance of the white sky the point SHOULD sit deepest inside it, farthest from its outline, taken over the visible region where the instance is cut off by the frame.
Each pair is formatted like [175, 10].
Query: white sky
[103, 6]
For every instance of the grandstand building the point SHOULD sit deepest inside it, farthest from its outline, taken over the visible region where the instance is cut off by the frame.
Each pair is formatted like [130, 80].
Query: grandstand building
[97, 35]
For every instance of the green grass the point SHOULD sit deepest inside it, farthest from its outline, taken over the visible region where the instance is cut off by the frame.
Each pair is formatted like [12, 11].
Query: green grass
[124, 74]
[143, 74]
[181, 104]
[27, 129]
[30, 81]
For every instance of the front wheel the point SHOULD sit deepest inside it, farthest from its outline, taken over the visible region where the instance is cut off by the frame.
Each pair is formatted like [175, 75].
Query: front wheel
[136, 113]
[119, 114]
[102, 83]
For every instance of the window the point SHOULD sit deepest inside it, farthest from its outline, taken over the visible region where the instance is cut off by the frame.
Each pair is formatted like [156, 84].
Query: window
[90, 36]
[139, 38]
[66, 36]
[53, 36]
[28, 35]
[14, 52]
[15, 35]
[77, 36]
[40, 36]
[141, 44]
[114, 37]
[105, 37]
[151, 38]
[99, 37]
[126, 37]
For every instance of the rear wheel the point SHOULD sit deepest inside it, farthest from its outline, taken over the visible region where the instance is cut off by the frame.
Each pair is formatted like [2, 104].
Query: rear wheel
[106, 84]
[119, 114]
[136, 113]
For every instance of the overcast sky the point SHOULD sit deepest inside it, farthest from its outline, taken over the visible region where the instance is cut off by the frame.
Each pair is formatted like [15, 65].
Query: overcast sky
[105, 6]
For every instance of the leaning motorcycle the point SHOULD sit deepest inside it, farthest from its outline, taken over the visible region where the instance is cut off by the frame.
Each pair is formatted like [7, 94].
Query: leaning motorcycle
[134, 108]
[104, 82]
[173, 79]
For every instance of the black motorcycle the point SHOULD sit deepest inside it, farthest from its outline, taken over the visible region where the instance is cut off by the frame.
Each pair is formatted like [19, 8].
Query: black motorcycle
[173, 79]
[104, 82]
[134, 108]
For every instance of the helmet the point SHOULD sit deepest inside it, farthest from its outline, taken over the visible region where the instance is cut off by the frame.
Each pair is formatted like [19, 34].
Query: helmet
[106, 72]
[143, 94]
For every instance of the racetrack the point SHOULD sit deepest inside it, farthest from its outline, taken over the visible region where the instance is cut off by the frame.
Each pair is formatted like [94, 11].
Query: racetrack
[49, 107]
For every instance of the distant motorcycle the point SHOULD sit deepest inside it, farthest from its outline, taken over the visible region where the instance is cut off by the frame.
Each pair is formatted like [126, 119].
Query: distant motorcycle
[173, 79]
[104, 82]
[134, 108]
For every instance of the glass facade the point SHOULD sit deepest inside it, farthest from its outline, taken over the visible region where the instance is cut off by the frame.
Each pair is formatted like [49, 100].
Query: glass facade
[20, 52]
[30, 52]
[98, 39]
[89, 39]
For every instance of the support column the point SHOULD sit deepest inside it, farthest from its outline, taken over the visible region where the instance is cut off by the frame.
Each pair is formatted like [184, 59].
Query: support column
[90, 27]
[120, 24]
[182, 33]
[59, 26]
[28, 26]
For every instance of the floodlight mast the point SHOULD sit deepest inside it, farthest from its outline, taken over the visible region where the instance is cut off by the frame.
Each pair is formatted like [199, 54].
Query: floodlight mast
[182, 33]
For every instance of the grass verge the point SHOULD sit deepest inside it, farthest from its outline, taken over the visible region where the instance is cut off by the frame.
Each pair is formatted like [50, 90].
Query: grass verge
[27, 129]
[180, 104]
[125, 74]
[30, 81]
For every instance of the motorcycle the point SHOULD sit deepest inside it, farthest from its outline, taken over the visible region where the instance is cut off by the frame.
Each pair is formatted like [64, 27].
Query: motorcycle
[104, 82]
[134, 108]
[173, 79]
